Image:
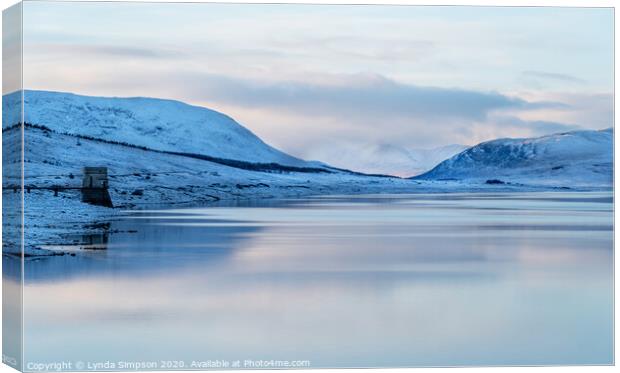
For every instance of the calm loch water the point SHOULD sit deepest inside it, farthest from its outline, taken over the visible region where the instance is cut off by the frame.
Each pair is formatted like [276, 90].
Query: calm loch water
[365, 281]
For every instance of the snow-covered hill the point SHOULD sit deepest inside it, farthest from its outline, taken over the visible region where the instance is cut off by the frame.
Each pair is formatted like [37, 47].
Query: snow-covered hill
[140, 178]
[579, 158]
[385, 158]
[154, 123]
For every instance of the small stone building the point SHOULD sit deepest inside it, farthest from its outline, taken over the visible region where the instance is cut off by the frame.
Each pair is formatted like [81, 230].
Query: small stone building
[95, 177]
[95, 186]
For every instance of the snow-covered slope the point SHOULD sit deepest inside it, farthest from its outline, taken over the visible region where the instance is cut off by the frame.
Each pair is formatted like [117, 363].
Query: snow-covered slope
[568, 159]
[142, 178]
[154, 123]
[385, 158]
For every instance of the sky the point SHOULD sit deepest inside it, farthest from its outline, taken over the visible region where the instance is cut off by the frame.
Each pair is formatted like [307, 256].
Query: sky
[306, 78]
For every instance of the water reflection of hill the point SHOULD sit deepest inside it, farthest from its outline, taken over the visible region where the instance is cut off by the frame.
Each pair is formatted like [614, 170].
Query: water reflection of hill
[141, 247]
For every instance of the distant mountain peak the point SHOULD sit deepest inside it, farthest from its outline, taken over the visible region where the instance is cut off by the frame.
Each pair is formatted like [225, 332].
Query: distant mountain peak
[384, 158]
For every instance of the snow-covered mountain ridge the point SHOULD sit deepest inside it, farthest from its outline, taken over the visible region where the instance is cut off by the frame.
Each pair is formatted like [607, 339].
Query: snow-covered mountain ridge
[153, 123]
[572, 159]
[563, 159]
[165, 153]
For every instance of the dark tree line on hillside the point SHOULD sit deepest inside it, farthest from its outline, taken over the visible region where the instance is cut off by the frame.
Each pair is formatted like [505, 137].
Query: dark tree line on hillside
[263, 167]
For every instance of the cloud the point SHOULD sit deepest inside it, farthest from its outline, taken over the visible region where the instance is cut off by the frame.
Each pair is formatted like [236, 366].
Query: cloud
[111, 51]
[355, 47]
[358, 96]
[548, 81]
[553, 76]
[595, 111]
[534, 127]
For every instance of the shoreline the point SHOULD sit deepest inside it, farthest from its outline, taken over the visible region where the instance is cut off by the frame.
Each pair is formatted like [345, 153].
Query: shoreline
[90, 220]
